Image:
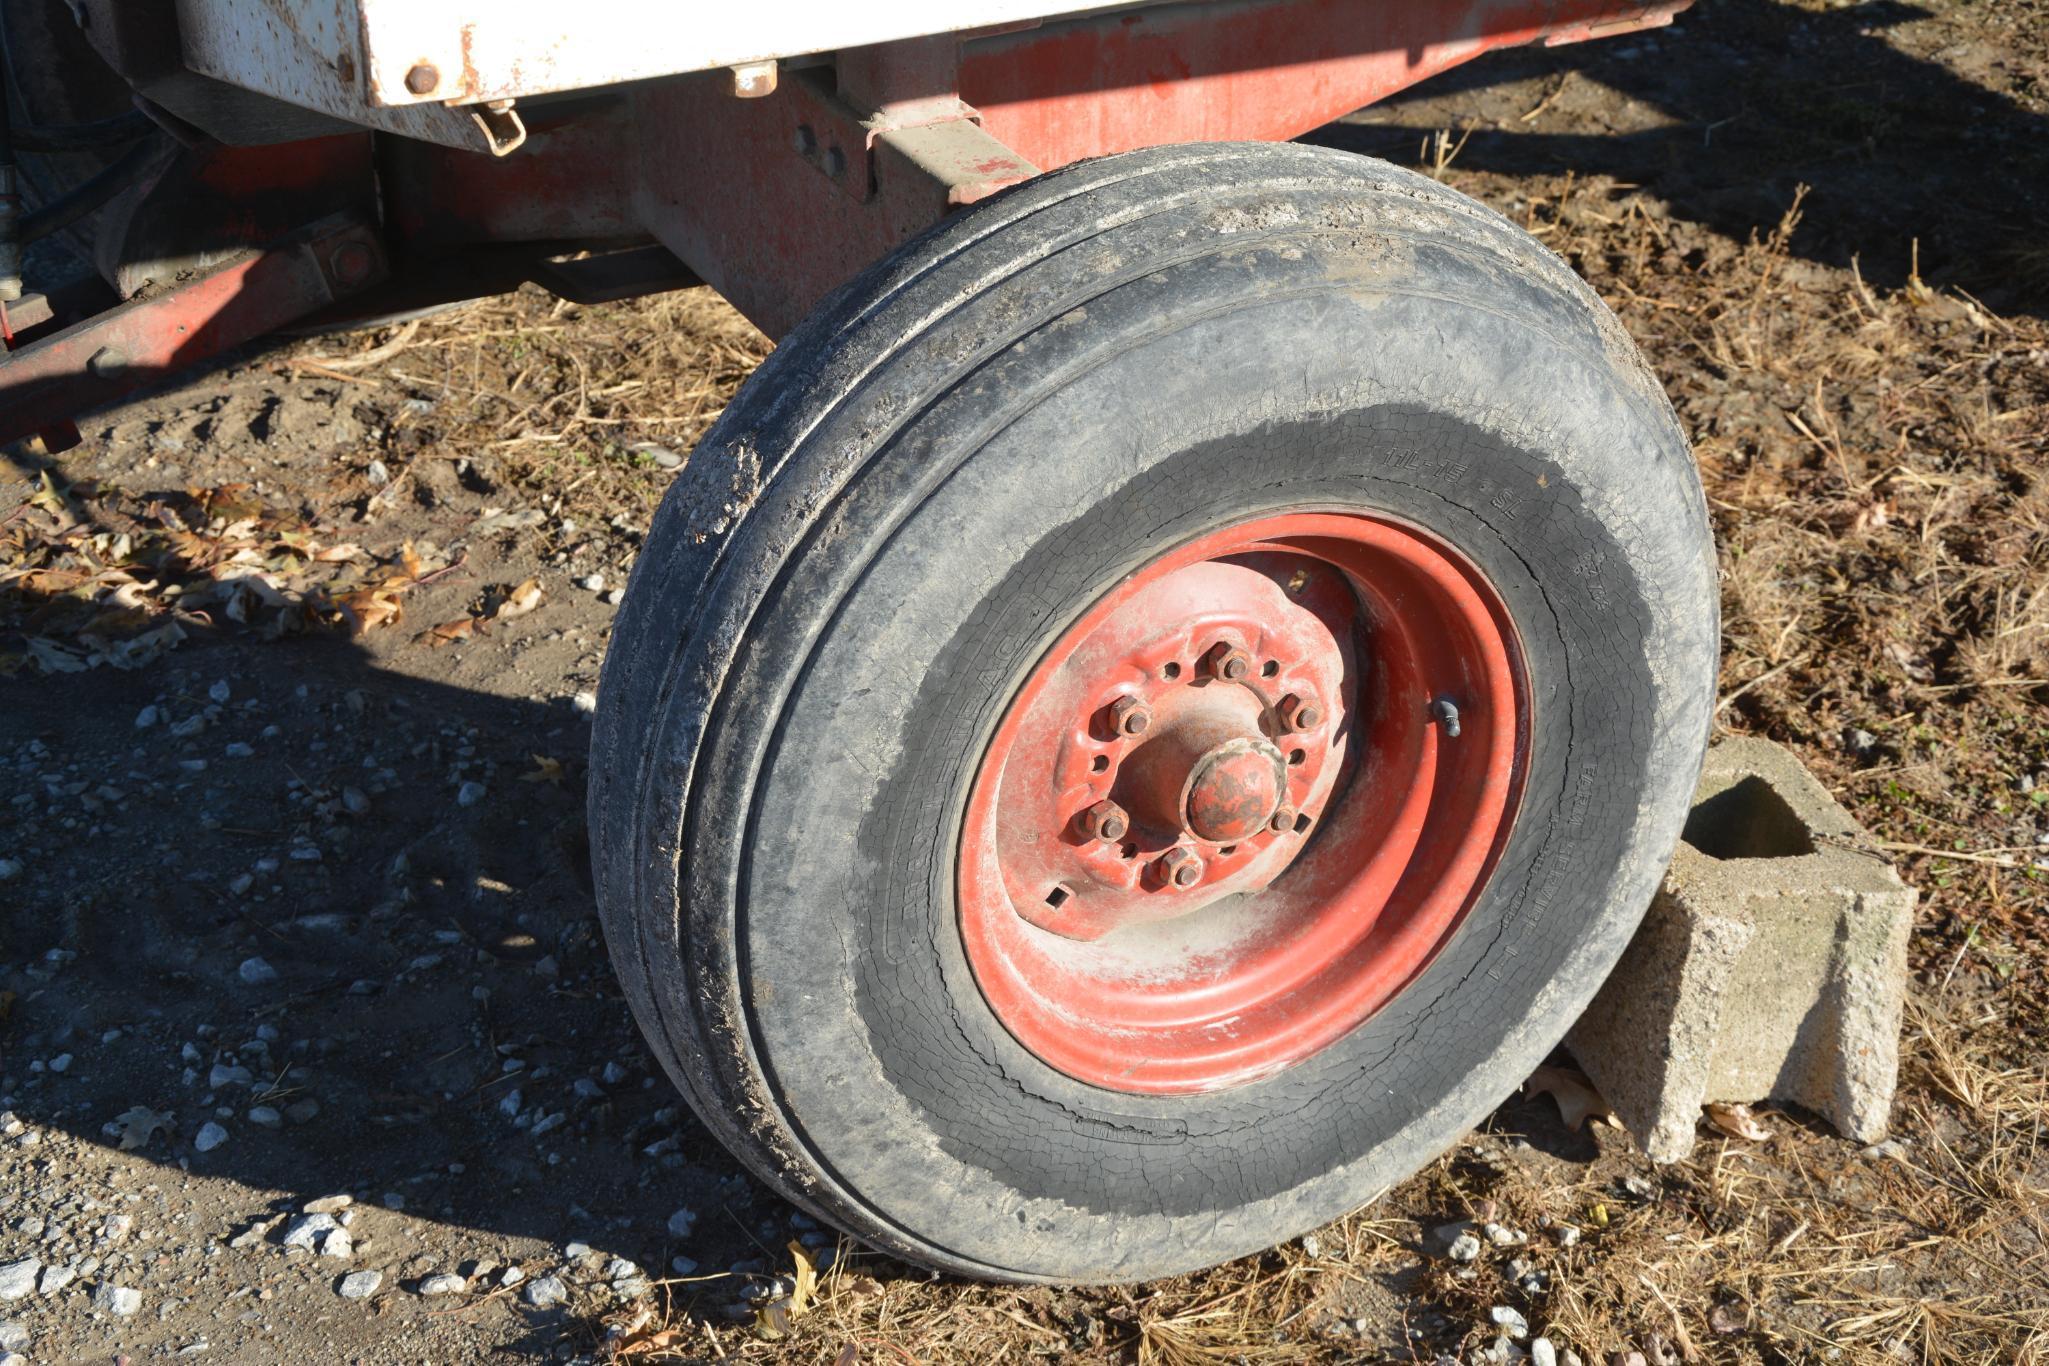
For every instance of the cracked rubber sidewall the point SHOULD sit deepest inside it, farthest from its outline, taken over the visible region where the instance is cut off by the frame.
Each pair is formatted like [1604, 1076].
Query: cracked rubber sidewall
[828, 621]
[908, 1084]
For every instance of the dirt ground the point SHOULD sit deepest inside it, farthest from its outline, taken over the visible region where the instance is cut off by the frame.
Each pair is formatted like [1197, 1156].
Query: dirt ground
[298, 660]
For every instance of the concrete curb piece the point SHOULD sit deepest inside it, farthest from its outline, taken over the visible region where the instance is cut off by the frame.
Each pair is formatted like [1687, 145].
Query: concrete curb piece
[1772, 964]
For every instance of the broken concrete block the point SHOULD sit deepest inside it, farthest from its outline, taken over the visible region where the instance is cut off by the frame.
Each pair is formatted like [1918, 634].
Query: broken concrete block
[1771, 965]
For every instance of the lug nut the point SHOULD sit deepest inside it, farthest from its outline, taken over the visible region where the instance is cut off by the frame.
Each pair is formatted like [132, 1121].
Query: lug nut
[1283, 820]
[1129, 716]
[1228, 662]
[1105, 821]
[1297, 714]
[1179, 867]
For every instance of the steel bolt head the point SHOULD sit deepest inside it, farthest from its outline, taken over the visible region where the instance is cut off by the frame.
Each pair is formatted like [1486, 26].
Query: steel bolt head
[1105, 821]
[423, 79]
[1130, 716]
[1300, 714]
[351, 263]
[1283, 819]
[1179, 867]
[1228, 662]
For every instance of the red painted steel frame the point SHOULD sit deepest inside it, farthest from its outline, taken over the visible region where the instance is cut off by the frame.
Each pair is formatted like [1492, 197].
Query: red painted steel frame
[1265, 71]
[152, 337]
[775, 201]
[768, 229]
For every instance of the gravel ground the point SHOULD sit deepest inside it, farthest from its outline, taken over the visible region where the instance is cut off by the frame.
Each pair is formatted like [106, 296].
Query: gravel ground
[309, 1033]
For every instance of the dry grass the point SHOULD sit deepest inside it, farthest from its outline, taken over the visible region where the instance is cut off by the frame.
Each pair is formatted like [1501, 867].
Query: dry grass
[1873, 461]
[565, 403]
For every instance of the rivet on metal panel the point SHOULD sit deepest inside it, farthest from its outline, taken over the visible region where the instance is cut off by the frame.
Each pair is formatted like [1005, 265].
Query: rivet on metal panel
[423, 79]
[351, 263]
[752, 80]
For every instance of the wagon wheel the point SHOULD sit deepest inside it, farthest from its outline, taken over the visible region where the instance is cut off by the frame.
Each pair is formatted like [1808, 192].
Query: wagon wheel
[1152, 711]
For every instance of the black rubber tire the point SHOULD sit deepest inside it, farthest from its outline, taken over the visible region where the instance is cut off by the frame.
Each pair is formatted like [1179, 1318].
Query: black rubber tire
[925, 485]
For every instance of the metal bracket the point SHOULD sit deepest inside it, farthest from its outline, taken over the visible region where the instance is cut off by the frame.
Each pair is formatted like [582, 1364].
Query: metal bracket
[1654, 14]
[864, 126]
[946, 165]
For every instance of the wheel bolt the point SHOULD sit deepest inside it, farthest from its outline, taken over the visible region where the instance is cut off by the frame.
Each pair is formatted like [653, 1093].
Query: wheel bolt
[1105, 821]
[1283, 820]
[1129, 716]
[1228, 662]
[1179, 867]
[1298, 714]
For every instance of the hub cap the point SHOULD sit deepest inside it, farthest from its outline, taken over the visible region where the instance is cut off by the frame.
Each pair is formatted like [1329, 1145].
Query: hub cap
[1242, 802]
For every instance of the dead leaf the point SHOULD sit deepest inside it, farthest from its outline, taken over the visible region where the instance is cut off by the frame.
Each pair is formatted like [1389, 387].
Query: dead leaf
[410, 558]
[517, 520]
[773, 1321]
[1728, 1317]
[447, 633]
[806, 1280]
[1915, 666]
[228, 503]
[47, 497]
[517, 602]
[53, 658]
[369, 608]
[546, 770]
[138, 650]
[1737, 1122]
[245, 593]
[139, 1125]
[667, 1340]
[1576, 1097]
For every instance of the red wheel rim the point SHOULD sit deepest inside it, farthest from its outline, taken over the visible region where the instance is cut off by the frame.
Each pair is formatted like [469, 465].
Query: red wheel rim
[1242, 802]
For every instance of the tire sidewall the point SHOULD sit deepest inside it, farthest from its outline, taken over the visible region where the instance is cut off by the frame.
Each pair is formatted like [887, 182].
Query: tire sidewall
[984, 528]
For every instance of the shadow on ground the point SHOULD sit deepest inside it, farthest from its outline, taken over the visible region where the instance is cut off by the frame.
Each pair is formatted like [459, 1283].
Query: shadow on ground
[431, 1021]
[1727, 112]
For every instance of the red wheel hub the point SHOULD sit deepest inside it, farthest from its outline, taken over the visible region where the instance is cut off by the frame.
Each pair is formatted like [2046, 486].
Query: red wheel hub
[1242, 802]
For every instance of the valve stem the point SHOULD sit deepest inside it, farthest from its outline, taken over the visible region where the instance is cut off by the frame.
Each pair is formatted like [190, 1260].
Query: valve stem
[1446, 711]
